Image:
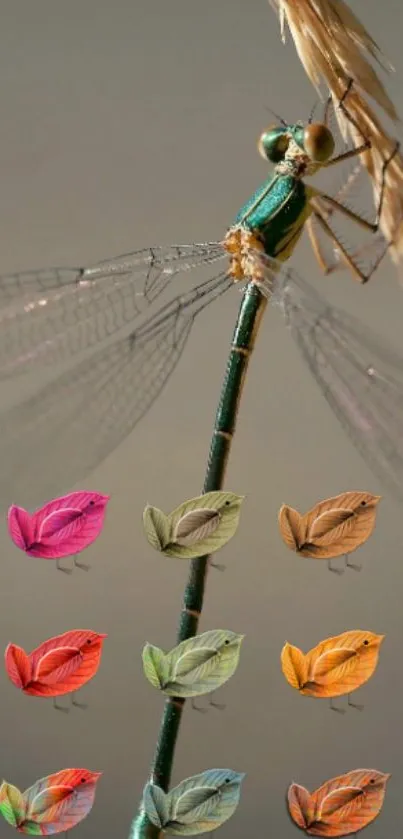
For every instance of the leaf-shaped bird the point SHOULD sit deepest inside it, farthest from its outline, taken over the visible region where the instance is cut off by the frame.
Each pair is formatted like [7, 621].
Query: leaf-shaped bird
[52, 805]
[64, 526]
[197, 666]
[197, 805]
[197, 527]
[344, 805]
[61, 665]
[335, 667]
[333, 527]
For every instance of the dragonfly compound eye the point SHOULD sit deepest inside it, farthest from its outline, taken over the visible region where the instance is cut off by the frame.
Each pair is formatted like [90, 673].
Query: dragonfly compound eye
[318, 142]
[273, 143]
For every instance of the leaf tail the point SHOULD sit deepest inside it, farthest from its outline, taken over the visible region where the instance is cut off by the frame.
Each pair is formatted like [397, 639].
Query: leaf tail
[18, 666]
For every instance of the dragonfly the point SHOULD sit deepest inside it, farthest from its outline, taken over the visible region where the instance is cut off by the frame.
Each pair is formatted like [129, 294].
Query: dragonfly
[118, 348]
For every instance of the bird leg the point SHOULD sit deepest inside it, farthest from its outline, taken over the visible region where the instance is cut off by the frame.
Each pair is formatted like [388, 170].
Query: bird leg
[336, 708]
[82, 705]
[354, 704]
[198, 708]
[60, 707]
[219, 705]
[217, 565]
[61, 568]
[81, 565]
[333, 569]
[351, 564]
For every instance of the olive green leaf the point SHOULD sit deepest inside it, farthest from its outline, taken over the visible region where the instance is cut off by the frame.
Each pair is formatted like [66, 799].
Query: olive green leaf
[156, 527]
[154, 665]
[197, 666]
[155, 803]
[203, 525]
[11, 803]
[203, 802]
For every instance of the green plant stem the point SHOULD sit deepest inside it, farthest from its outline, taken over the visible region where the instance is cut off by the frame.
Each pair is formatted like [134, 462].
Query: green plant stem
[251, 310]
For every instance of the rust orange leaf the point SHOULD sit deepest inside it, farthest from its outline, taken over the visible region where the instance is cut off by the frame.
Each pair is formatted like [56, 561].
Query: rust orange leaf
[333, 527]
[300, 805]
[349, 803]
[341, 806]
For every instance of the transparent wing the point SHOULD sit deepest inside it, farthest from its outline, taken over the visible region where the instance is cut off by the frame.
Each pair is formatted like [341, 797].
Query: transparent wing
[58, 435]
[360, 377]
[54, 314]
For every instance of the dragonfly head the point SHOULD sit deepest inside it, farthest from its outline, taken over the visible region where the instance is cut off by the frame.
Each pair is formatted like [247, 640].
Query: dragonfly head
[313, 139]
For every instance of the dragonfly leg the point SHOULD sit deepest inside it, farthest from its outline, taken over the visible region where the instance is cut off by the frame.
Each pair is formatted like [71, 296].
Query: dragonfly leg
[351, 564]
[61, 568]
[333, 569]
[345, 155]
[81, 565]
[336, 708]
[359, 149]
[374, 226]
[326, 109]
[324, 266]
[367, 225]
[354, 704]
[345, 256]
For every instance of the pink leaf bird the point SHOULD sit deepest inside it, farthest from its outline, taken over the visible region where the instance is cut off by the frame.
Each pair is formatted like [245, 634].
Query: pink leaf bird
[64, 526]
[52, 805]
[61, 665]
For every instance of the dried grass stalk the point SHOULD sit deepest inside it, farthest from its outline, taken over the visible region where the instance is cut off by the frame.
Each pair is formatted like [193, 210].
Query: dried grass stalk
[334, 47]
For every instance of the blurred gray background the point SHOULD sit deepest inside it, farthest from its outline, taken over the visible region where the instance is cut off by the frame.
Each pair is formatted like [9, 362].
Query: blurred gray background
[128, 124]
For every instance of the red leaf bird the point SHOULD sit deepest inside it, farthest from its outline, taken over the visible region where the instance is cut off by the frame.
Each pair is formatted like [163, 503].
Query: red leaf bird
[61, 665]
[64, 526]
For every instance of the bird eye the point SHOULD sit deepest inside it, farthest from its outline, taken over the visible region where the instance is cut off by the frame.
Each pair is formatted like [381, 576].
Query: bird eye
[366, 642]
[318, 142]
[363, 504]
[273, 143]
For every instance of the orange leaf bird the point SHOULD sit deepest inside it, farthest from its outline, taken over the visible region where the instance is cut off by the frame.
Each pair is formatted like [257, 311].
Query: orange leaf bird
[335, 667]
